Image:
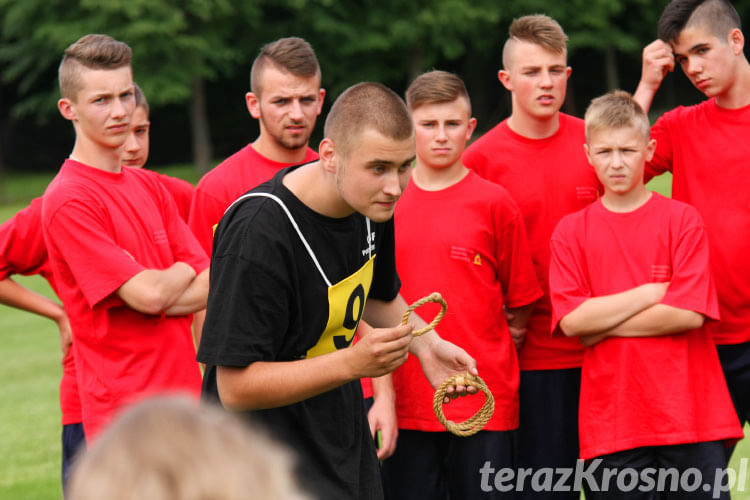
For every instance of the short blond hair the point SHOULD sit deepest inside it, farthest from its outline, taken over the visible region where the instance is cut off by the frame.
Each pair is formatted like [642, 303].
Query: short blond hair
[435, 87]
[615, 110]
[363, 106]
[538, 29]
[92, 51]
[170, 449]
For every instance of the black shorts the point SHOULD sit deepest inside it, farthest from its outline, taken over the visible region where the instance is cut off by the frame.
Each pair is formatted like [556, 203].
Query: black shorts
[439, 465]
[548, 424]
[694, 470]
[73, 441]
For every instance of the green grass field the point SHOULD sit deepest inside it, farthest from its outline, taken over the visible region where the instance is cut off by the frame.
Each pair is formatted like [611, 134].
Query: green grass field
[30, 415]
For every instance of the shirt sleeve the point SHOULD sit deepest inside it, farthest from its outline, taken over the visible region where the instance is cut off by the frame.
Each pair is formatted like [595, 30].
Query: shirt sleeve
[386, 283]
[246, 319]
[691, 285]
[662, 160]
[568, 286]
[22, 248]
[78, 231]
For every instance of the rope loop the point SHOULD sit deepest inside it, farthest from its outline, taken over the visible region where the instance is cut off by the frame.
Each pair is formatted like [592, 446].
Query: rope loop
[433, 297]
[473, 424]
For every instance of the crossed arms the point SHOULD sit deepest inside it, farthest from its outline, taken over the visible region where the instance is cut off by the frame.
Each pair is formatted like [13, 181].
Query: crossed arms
[632, 313]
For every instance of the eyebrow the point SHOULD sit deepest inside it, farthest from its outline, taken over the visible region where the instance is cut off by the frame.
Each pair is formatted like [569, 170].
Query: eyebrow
[376, 162]
[692, 49]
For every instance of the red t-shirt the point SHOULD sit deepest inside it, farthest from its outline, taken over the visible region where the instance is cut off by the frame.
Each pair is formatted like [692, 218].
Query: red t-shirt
[643, 391]
[548, 178]
[182, 192]
[234, 177]
[706, 149]
[22, 251]
[101, 229]
[467, 242]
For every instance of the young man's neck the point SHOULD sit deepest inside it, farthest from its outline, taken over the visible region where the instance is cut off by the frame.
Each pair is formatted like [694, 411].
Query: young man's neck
[96, 156]
[314, 187]
[268, 148]
[626, 202]
[436, 179]
[532, 127]
[738, 95]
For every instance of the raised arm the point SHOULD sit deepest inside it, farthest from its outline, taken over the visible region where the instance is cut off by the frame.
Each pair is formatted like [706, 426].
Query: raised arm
[154, 291]
[599, 314]
[658, 59]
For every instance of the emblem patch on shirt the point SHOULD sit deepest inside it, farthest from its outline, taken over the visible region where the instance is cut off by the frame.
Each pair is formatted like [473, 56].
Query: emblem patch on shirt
[660, 273]
[466, 254]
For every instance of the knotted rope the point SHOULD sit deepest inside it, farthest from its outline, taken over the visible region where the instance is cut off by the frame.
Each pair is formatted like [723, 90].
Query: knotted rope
[473, 424]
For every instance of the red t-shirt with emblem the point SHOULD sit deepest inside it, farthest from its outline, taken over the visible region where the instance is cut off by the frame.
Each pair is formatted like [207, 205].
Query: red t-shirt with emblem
[643, 391]
[547, 178]
[467, 242]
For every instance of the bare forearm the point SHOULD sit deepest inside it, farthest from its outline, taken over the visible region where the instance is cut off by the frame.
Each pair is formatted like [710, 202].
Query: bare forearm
[659, 319]
[644, 95]
[193, 299]
[20, 297]
[382, 388]
[153, 291]
[264, 385]
[600, 314]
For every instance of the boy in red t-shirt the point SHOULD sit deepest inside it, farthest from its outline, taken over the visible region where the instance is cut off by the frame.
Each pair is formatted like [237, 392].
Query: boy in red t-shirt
[630, 277]
[704, 147]
[537, 155]
[127, 267]
[23, 251]
[463, 236]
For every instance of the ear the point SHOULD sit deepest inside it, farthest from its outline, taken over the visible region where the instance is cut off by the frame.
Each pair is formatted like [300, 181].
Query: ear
[252, 101]
[327, 153]
[322, 98]
[588, 153]
[504, 78]
[472, 125]
[736, 40]
[568, 71]
[67, 109]
[650, 149]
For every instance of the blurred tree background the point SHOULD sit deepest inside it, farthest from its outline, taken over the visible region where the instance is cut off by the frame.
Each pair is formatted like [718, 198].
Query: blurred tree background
[192, 58]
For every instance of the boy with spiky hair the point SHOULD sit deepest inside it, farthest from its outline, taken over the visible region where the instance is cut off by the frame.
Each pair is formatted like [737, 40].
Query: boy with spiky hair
[297, 262]
[704, 148]
[127, 267]
[476, 254]
[630, 277]
[536, 155]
